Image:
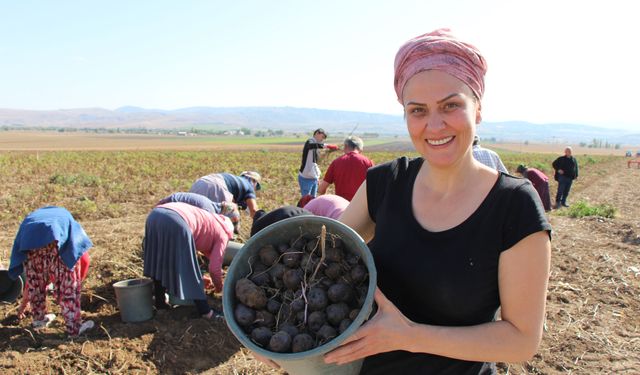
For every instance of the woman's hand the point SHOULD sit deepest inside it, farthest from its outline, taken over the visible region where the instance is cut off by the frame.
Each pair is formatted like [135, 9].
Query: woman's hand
[388, 330]
[23, 310]
[25, 306]
[208, 283]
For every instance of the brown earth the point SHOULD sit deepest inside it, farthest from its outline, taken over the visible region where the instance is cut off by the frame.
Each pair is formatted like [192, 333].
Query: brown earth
[592, 326]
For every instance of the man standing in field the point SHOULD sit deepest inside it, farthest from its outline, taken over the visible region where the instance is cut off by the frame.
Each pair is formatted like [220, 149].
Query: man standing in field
[348, 171]
[566, 168]
[309, 172]
[487, 157]
[539, 181]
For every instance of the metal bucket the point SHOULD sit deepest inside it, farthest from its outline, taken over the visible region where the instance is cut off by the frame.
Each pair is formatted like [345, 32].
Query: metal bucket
[310, 362]
[134, 297]
[10, 290]
[230, 252]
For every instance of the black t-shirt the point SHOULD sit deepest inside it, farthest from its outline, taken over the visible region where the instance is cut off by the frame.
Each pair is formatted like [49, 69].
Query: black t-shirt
[447, 278]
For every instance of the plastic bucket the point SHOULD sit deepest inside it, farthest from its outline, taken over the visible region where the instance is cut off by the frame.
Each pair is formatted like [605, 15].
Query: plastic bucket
[134, 297]
[230, 252]
[309, 362]
[10, 289]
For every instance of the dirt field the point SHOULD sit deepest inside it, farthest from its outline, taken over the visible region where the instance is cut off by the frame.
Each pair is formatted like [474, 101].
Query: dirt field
[593, 321]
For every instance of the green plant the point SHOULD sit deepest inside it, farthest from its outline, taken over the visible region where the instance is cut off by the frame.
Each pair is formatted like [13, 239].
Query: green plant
[583, 208]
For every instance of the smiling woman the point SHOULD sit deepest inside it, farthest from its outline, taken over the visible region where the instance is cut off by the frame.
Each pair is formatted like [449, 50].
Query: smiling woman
[442, 118]
[453, 240]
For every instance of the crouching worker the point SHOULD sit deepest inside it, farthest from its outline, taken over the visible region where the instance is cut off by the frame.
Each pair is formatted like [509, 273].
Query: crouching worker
[51, 247]
[174, 232]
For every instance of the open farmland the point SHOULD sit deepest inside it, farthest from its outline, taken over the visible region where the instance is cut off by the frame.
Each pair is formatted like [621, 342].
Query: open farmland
[594, 293]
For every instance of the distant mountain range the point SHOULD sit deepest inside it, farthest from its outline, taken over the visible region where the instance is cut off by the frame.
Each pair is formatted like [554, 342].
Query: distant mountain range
[294, 120]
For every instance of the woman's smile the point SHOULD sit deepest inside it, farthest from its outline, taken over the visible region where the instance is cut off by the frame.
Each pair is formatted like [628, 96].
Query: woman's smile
[440, 142]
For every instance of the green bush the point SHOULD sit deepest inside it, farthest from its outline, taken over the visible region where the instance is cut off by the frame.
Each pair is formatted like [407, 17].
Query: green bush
[81, 179]
[583, 208]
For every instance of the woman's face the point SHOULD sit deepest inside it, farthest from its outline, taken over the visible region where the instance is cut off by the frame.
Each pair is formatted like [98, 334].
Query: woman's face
[441, 114]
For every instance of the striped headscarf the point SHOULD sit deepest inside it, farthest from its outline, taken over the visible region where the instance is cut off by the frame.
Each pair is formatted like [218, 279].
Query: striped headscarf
[440, 50]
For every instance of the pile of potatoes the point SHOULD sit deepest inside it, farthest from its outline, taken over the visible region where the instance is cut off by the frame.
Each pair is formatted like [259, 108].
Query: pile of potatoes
[300, 294]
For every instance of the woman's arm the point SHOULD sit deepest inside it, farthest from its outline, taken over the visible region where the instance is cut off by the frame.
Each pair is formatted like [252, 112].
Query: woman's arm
[523, 275]
[252, 204]
[356, 215]
[216, 256]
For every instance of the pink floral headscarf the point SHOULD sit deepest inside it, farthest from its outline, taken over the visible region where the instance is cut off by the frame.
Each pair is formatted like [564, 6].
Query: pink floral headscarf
[440, 50]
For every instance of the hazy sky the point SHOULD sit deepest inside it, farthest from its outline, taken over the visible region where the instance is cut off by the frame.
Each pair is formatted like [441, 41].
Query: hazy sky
[549, 60]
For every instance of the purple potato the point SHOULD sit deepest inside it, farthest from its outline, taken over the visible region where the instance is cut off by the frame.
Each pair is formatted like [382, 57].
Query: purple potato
[280, 342]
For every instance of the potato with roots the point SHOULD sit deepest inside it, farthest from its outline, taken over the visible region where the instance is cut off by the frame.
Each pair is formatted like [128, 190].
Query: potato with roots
[250, 294]
[292, 278]
[259, 276]
[277, 271]
[301, 292]
[291, 258]
[268, 255]
[333, 271]
[334, 254]
[297, 305]
[265, 319]
[273, 306]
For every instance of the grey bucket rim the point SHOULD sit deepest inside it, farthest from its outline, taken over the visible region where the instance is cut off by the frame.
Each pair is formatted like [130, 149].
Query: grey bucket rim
[145, 281]
[229, 292]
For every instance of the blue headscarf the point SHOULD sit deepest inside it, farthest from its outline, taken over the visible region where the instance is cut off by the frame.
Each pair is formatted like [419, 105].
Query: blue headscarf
[43, 226]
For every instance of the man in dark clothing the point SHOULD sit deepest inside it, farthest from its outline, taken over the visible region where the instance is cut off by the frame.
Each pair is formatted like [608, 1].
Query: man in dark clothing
[566, 168]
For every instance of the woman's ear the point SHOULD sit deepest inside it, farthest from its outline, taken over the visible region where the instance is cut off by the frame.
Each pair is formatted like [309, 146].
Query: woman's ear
[479, 114]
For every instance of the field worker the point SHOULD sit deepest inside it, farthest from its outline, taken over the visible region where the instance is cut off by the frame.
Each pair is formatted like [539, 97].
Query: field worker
[226, 187]
[49, 247]
[487, 157]
[452, 239]
[263, 219]
[228, 209]
[309, 171]
[327, 205]
[348, 171]
[539, 181]
[25, 305]
[566, 170]
[174, 233]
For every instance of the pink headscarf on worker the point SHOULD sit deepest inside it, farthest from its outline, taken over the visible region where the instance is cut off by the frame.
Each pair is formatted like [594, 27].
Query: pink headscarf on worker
[440, 50]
